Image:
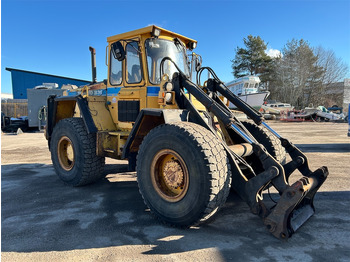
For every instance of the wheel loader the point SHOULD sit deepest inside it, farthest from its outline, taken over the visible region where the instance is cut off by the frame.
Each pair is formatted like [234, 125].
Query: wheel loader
[175, 129]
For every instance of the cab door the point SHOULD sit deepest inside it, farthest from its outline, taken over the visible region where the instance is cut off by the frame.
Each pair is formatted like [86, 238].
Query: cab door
[127, 91]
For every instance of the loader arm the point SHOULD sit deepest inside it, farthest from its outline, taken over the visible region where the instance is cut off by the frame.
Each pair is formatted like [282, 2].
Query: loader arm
[296, 202]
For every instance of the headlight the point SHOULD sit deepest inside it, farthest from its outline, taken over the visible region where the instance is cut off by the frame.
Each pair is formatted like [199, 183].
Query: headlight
[168, 97]
[169, 86]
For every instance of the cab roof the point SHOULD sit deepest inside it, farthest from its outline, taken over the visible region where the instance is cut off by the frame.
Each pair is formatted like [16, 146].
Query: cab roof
[148, 30]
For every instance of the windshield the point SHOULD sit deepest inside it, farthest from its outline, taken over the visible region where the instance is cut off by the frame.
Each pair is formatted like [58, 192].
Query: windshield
[157, 49]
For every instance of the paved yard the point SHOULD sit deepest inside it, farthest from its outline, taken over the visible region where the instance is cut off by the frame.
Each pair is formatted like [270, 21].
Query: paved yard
[44, 220]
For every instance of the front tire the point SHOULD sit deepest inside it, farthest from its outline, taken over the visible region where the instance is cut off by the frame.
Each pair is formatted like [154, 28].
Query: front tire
[271, 143]
[73, 153]
[183, 173]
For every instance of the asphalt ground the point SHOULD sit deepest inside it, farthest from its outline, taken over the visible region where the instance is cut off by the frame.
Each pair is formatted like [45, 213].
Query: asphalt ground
[42, 219]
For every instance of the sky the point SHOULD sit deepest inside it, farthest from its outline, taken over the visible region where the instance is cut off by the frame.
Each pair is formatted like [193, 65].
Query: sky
[53, 37]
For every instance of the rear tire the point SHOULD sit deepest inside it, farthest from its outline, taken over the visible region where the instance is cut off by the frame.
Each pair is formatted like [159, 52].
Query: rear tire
[73, 153]
[183, 173]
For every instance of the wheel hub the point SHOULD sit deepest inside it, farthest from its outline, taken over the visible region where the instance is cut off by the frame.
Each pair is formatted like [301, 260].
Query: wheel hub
[65, 153]
[169, 175]
[173, 174]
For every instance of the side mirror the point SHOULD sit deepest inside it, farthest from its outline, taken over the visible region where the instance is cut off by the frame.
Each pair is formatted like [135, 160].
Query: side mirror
[118, 51]
[198, 62]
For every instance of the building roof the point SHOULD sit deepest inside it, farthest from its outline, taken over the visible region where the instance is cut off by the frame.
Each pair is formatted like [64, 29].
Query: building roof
[6, 96]
[31, 72]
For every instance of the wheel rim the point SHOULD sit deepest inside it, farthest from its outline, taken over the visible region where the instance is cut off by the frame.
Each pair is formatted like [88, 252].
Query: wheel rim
[169, 175]
[65, 153]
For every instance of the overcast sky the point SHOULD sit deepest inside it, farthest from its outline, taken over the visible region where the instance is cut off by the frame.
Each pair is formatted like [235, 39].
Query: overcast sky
[53, 37]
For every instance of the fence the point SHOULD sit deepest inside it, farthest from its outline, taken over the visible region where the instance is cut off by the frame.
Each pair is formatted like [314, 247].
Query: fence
[14, 107]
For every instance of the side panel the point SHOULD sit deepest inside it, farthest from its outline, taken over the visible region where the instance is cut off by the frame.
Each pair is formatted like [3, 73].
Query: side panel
[124, 104]
[100, 114]
[152, 96]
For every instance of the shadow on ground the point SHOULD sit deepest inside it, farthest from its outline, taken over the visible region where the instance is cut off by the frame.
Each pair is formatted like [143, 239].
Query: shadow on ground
[40, 213]
[325, 148]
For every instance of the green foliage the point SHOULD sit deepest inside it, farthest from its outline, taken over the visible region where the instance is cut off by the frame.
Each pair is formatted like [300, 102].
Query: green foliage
[252, 60]
[299, 76]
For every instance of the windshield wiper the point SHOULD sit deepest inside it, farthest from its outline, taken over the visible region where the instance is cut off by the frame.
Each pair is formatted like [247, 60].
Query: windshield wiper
[178, 44]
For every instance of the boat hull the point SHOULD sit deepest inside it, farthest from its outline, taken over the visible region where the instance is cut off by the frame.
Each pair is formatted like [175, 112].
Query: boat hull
[254, 100]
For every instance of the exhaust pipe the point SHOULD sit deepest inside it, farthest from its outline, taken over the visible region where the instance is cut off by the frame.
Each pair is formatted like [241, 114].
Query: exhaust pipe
[93, 64]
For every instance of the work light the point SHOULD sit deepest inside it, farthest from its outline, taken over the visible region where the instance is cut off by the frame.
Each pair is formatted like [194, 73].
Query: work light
[155, 32]
[192, 45]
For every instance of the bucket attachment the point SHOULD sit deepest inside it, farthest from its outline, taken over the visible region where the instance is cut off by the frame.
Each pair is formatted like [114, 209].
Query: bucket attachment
[295, 206]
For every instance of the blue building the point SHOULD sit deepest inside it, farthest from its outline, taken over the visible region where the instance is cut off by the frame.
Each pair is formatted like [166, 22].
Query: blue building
[23, 80]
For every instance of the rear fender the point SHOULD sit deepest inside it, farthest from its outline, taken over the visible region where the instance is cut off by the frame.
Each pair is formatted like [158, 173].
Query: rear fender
[65, 107]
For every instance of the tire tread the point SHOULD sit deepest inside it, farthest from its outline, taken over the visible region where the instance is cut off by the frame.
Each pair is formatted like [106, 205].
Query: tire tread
[215, 159]
[93, 165]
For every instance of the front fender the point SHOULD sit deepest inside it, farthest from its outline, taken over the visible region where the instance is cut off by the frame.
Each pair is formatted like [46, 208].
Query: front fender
[146, 121]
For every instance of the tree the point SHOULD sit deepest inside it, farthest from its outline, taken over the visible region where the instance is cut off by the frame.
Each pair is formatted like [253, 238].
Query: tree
[296, 74]
[252, 60]
[334, 68]
[334, 71]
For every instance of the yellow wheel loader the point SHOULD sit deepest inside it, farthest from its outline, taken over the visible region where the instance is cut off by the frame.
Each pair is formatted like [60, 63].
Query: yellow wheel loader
[186, 145]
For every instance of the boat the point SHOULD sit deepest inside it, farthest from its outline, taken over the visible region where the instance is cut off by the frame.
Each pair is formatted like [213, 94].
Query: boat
[276, 108]
[247, 89]
[323, 114]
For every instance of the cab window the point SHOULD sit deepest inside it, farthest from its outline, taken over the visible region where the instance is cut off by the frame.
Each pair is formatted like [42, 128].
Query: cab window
[115, 76]
[157, 50]
[133, 65]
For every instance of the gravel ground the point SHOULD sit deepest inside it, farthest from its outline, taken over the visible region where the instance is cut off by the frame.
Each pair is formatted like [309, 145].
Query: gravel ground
[44, 220]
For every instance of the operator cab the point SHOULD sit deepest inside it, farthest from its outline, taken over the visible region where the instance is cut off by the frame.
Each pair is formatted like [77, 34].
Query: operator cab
[138, 57]
[137, 62]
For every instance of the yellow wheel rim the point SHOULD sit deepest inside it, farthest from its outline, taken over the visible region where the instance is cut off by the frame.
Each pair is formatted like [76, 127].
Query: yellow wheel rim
[65, 153]
[169, 175]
